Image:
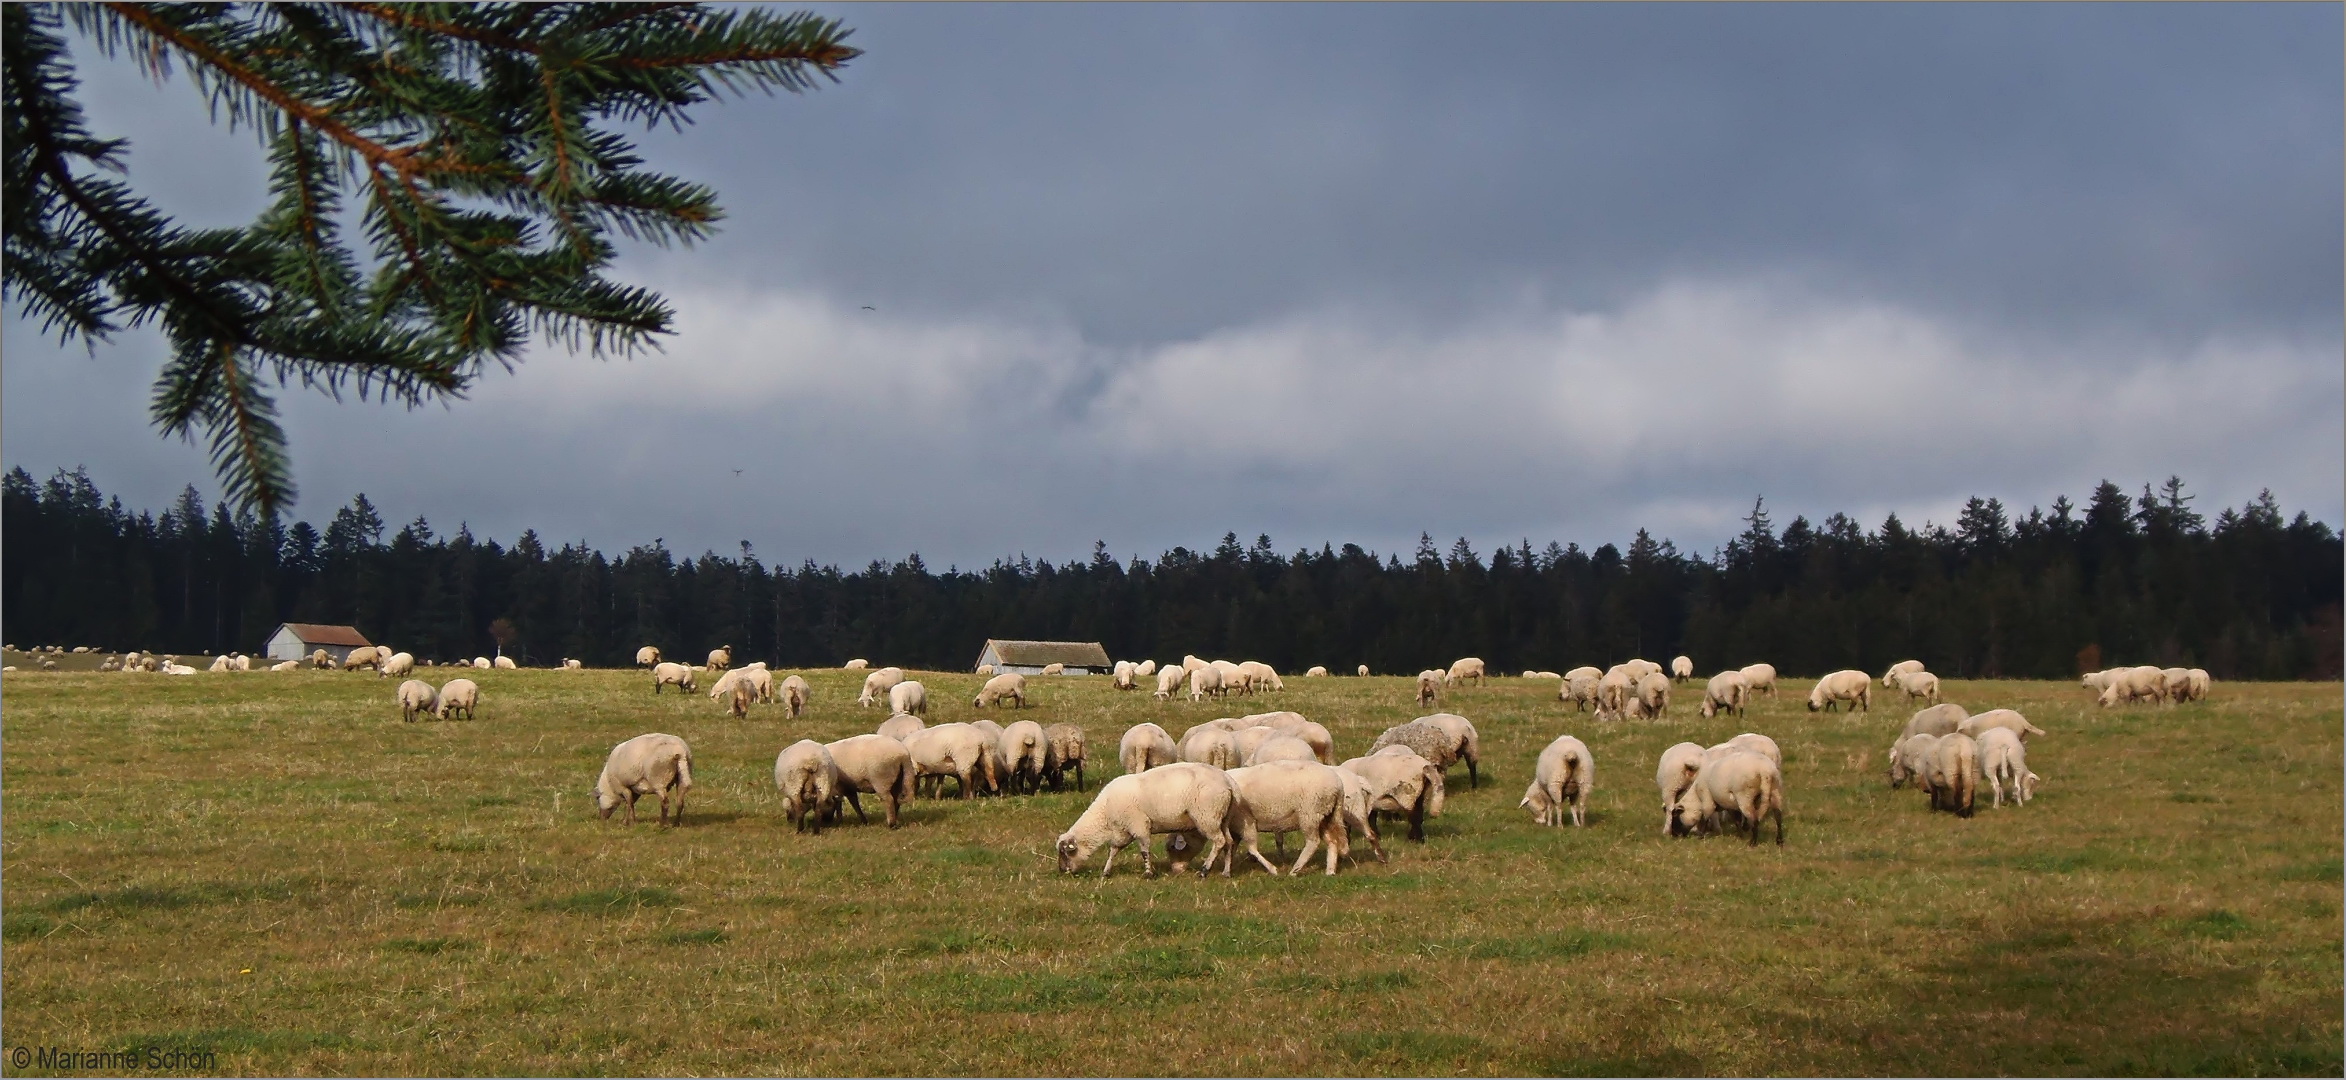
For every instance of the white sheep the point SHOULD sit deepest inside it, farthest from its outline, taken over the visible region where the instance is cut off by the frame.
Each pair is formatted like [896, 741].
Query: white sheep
[901, 727]
[1123, 678]
[857, 664]
[1316, 671]
[1462, 669]
[1615, 689]
[667, 674]
[1639, 668]
[2198, 687]
[1911, 757]
[909, 696]
[1940, 719]
[1848, 686]
[1132, 808]
[1206, 681]
[1653, 695]
[1063, 748]
[1748, 785]
[1761, 677]
[1359, 812]
[1401, 782]
[876, 684]
[459, 695]
[1726, 692]
[1144, 747]
[873, 765]
[1919, 684]
[1362, 670]
[365, 656]
[1261, 676]
[1429, 687]
[479, 663]
[1207, 744]
[569, 664]
[1283, 748]
[1289, 796]
[720, 658]
[1679, 765]
[1054, 669]
[1580, 690]
[1681, 668]
[2129, 685]
[647, 656]
[1169, 681]
[1749, 742]
[1024, 753]
[1562, 779]
[962, 751]
[1145, 668]
[808, 780]
[985, 671]
[1235, 679]
[2003, 760]
[415, 697]
[794, 694]
[501, 663]
[289, 665]
[1954, 774]
[1010, 686]
[1890, 677]
[644, 765]
[1999, 718]
[1465, 742]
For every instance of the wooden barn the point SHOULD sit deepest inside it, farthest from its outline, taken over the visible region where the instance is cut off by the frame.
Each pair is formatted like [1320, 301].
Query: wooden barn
[1030, 657]
[296, 641]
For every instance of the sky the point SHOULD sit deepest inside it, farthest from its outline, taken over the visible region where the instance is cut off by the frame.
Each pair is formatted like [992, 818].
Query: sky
[1334, 273]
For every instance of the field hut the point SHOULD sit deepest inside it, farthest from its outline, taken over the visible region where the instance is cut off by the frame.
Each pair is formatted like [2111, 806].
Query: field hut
[1030, 657]
[296, 641]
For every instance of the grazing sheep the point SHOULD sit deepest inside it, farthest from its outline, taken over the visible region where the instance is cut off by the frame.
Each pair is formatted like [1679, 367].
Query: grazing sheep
[1465, 742]
[1362, 670]
[1919, 684]
[739, 697]
[873, 765]
[1548, 675]
[1749, 785]
[2126, 686]
[365, 656]
[1681, 668]
[676, 675]
[1999, 718]
[1400, 782]
[1653, 695]
[395, 664]
[1639, 668]
[1465, 668]
[909, 697]
[1322, 743]
[1023, 753]
[1235, 679]
[1247, 738]
[1315, 671]
[758, 681]
[1761, 677]
[1010, 686]
[1062, 748]
[1584, 670]
[793, 693]
[1283, 748]
[1054, 669]
[1726, 692]
[2003, 759]
[1615, 689]
[902, 727]
[1679, 765]
[1205, 682]
[2198, 686]
[1579, 689]
[857, 664]
[1428, 741]
[644, 765]
[1122, 678]
[481, 663]
[1359, 804]
[1954, 774]
[1145, 669]
[808, 780]
[1207, 744]
[1936, 720]
[876, 685]
[1263, 676]
[417, 696]
[964, 752]
[1145, 747]
[2096, 680]
[1890, 677]
[1171, 798]
[985, 671]
[1748, 743]
[1562, 779]
[1169, 682]
[720, 658]
[504, 663]
[1910, 760]
[1850, 686]
[1289, 796]
[647, 656]
[459, 695]
[1191, 663]
[1429, 687]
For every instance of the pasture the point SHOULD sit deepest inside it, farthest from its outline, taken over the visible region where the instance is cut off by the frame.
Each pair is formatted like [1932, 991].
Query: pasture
[275, 868]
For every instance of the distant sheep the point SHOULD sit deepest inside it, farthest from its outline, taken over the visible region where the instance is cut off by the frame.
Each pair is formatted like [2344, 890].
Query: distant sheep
[1465, 668]
[1849, 687]
[1748, 785]
[2129, 685]
[1169, 682]
[1653, 695]
[1681, 668]
[417, 697]
[459, 696]
[1919, 684]
[2003, 760]
[1261, 675]
[720, 658]
[1145, 747]
[908, 697]
[876, 684]
[1122, 678]
[964, 752]
[1936, 720]
[1145, 668]
[1890, 677]
[1062, 750]
[569, 664]
[1579, 690]
[1009, 687]
[985, 671]
[1024, 755]
[1400, 782]
[857, 664]
[1561, 781]
[1315, 671]
[1054, 669]
[1761, 678]
[1615, 689]
[482, 663]
[793, 693]
[1999, 718]
[1954, 774]
[677, 675]
[647, 656]
[501, 663]
[1725, 693]
[400, 664]
[645, 765]
[1205, 682]
[1363, 670]
[366, 656]
[1429, 687]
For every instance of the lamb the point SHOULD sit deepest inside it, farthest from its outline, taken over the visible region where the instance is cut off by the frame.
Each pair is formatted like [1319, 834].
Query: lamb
[1010, 686]
[1172, 798]
[967, 754]
[677, 675]
[720, 658]
[1847, 686]
[1429, 686]
[647, 656]
[902, 727]
[1681, 668]
[1206, 744]
[1145, 747]
[1063, 747]
[644, 765]
[1919, 684]
[808, 780]
[1580, 690]
[1999, 718]
[1936, 720]
[1316, 671]
[1748, 785]
[1726, 692]
[1205, 682]
[1283, 748]
[1954, 774]
[1762, 678]
[1145, 668]
[873, 765]
[417, 696]
[1679, 765]
[2003, 759]
[1890, 677]
[1653, 695]
[1465, 668]
[1054, 669]
[1562, 779]
[1290, 796]
[857, 664]
[1023, 754]
[1169, 682]
[908, 697]
[502, 663]
[1400, 782]
[876, 684]
[793, 693]
[459, 695]
[985, 671]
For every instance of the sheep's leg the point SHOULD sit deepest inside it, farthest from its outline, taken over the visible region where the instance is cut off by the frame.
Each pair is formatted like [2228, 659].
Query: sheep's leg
[1311, 843]
[1472, 781]
[858, 805]
[1079, 775]
[631, 797]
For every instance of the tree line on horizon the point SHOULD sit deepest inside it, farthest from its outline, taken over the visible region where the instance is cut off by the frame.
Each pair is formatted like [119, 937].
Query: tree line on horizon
[2251, 594]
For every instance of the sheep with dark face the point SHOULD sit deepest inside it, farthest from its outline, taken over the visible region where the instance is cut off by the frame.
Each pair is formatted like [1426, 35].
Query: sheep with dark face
[654, 764]
[1738, 786]
[1062, 750]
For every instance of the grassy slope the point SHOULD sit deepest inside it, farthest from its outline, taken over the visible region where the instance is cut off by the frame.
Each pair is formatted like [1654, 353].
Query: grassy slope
[437, 898]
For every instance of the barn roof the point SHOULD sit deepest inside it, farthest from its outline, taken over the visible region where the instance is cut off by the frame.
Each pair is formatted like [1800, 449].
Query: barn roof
[1039, 653]
[322, 634]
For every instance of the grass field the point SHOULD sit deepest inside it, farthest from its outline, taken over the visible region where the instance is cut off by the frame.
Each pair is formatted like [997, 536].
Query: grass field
[276, 869]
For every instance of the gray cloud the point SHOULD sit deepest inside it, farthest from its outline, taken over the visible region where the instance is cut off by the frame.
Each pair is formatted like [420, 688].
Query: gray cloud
[1150, 273]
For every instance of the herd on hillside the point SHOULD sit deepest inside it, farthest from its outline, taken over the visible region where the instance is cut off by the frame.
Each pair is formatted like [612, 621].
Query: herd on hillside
[1218, 788]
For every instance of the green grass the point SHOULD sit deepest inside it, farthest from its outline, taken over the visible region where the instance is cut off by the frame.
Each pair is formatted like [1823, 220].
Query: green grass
[275, 868]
